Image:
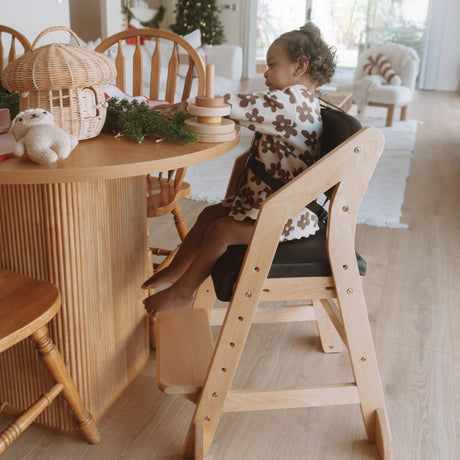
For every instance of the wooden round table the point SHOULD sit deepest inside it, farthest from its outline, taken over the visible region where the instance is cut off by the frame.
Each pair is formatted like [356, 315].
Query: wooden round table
[81, 223]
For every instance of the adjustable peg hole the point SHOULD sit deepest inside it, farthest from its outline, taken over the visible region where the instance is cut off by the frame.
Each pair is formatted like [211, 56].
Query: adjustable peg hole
[345, 267]
[257, 269]
[223, 370]
[232, 344]
[240, 318]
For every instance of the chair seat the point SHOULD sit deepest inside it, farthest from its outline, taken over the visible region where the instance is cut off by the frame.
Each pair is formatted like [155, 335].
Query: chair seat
[306, 257]
[26, 304]
[162, 196]
[390, 94]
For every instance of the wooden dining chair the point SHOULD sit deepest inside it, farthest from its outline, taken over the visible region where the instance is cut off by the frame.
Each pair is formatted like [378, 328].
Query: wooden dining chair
[165, 190]
[324, 272]
[27, 305]
[9, 38]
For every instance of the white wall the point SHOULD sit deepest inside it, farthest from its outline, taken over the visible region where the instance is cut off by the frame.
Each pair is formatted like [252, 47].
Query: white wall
[30, 17]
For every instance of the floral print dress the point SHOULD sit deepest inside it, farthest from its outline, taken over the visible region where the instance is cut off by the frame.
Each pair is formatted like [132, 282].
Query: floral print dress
[289, 123]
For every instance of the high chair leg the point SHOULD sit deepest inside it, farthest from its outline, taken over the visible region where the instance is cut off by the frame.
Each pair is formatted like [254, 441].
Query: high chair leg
[363, 358]
[52, 359]
[382, 435]
[199, 438]
[330, 338]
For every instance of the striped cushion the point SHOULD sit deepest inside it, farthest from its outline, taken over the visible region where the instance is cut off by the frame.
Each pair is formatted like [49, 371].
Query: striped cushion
[380, 65]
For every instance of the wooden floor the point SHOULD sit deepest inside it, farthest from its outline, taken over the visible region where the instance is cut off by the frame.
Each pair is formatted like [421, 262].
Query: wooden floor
[413, 292]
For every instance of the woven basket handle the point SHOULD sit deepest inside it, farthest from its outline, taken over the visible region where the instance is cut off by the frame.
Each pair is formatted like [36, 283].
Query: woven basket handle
[54, 29]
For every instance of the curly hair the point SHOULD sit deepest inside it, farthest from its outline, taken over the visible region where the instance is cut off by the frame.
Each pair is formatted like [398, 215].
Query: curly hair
[307, 41]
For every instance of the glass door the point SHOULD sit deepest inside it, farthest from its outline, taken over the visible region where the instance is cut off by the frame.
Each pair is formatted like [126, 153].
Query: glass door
[273, 19]
[349, 25]
[352, 25]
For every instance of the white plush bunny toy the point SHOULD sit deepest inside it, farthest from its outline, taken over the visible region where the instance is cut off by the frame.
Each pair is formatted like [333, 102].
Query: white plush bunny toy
[38, 136]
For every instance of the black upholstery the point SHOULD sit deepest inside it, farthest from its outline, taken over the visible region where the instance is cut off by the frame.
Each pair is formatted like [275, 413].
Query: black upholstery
[306, 257]
[297, 258]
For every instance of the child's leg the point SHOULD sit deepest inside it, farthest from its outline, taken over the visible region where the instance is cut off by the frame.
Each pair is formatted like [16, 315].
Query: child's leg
[220, 234]
[187, 249]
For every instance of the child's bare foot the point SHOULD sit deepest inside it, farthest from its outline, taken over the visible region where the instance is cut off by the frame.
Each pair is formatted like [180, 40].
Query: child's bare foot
[169, 299]
[165, 276]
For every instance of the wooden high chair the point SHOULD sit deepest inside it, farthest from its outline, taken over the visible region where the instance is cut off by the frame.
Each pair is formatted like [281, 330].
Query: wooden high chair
[11, 37]
[27, 305]
[324, 269]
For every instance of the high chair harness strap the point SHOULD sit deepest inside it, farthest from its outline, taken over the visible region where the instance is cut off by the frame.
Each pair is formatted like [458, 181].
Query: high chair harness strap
[258, 168]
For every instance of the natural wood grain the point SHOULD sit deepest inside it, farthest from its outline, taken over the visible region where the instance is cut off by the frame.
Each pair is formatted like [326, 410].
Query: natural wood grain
[348, 169]
[108, 157]
[412, 287]
[8, 55]
[26, 307]
[163, 194]
[185, 348]
[81, 236]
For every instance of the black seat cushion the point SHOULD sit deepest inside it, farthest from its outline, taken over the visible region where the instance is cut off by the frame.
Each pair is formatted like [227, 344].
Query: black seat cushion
[306, 257]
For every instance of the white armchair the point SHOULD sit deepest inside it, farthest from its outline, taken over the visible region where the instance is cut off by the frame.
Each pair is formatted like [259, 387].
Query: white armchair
[405, 62]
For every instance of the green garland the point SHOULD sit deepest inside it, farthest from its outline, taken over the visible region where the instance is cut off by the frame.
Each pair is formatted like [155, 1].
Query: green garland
[9, 100]
[154, 23]
[133, 119]
[136, 120]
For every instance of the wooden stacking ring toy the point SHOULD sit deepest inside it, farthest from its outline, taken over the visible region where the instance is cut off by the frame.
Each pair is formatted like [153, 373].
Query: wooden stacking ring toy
[209, 110]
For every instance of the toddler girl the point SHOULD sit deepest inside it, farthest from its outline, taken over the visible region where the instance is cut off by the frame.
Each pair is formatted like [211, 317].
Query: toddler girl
[287, 123]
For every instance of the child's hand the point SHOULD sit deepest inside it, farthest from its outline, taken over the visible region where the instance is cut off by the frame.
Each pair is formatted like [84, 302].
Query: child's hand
[170, 109]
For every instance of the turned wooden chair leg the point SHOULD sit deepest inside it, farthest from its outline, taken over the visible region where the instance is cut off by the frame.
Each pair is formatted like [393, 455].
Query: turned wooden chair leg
[390, 113]
[179, 220]
[24, 420]
[55, 364]
[404, 113]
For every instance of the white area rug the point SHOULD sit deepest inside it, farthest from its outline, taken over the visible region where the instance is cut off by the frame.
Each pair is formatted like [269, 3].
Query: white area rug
[384, 197]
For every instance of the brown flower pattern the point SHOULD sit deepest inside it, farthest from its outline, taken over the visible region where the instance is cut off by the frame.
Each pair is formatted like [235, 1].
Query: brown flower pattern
[290, 126]
[254, 116]
[247, 99]
[305, 113]
[272, 103]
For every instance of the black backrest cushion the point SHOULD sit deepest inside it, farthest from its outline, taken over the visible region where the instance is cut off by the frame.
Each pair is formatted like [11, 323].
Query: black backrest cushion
[338, 126]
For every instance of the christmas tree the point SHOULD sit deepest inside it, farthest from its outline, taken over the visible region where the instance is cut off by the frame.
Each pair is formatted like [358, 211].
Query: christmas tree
[199, 14]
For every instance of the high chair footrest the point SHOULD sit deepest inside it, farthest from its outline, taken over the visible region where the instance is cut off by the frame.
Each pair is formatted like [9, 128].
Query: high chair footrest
[184, 350]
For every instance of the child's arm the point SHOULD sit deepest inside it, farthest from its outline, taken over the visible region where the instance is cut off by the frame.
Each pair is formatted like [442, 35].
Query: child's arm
[265, 112]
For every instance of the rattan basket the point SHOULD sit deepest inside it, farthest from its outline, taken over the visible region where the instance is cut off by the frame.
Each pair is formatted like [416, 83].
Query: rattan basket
[64, 79]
